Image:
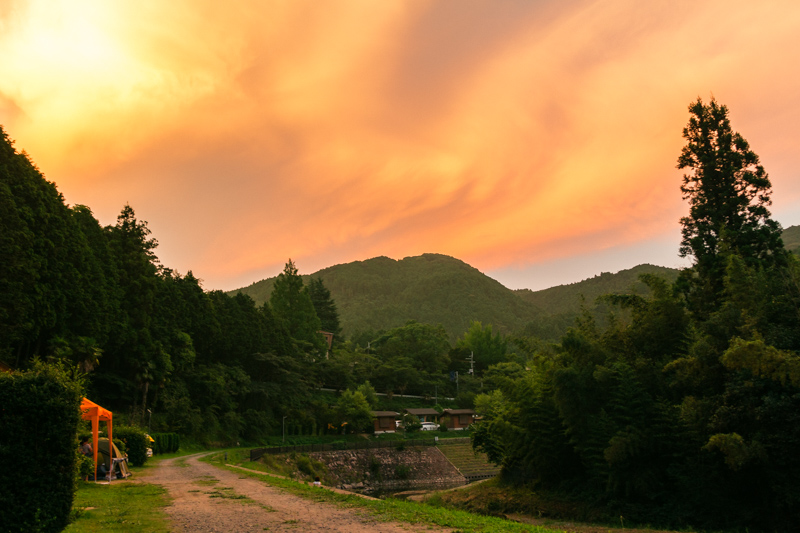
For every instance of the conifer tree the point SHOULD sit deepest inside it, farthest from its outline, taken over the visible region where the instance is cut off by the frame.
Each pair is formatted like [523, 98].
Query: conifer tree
[291, 303]
[324, 306]
[728, 192]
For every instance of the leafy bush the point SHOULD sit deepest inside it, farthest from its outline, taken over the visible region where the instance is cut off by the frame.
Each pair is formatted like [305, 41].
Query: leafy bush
[374, 464]
[38, 428]
[309, 466]
[166, 442]
[411, 423]
[136, 443]
[85, 465]
[120, 444]
[402, 471]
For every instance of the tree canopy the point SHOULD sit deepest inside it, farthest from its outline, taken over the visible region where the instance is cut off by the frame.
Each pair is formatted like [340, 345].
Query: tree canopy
[729, 193]
[291, 303]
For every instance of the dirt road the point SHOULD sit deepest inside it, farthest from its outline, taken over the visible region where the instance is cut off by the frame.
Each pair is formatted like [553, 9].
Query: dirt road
[208, 499]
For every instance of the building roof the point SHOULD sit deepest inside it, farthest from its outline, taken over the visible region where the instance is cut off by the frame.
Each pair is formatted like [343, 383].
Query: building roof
[458, 412]
[380, 414]
[422, 411]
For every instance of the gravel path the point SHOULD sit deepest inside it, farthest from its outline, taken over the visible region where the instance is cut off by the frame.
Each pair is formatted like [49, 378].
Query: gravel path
[208, 499]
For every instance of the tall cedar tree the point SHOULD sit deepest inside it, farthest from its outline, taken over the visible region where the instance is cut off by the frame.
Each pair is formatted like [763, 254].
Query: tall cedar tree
[291, 303]
[728, 191]
[324, 306]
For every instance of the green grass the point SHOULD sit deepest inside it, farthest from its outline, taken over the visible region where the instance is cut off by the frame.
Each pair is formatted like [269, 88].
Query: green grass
[118, 506]
[463, 457]
[123, 505]
[390, 509]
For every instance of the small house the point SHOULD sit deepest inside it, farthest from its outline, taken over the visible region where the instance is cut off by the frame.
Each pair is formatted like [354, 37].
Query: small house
[384, 421]
[426, 414]
[459, 418]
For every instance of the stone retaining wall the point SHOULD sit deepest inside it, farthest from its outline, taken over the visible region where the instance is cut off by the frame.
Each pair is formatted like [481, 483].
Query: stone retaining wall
[390, 469]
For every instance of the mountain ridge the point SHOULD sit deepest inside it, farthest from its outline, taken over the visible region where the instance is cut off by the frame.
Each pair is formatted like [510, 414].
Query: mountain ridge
[381, 293]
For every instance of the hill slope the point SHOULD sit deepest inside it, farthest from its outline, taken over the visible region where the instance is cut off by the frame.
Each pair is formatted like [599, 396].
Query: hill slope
[382, 293]
[567, 298]
[791, 239]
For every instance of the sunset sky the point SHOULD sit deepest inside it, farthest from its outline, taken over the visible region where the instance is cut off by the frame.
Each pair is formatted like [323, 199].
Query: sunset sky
[535, 140]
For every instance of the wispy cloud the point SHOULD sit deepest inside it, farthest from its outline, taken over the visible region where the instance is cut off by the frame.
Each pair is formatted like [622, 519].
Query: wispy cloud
[505, 133]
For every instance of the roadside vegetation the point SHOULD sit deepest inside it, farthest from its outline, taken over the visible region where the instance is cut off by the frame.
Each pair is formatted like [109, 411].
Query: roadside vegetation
[389, 509]
[119, 506]
[130, 505]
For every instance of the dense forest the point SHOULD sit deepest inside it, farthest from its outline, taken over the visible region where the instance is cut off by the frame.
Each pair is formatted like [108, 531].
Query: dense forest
[670, 399]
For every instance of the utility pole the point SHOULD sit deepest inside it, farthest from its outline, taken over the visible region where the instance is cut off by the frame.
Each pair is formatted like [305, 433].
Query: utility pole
[471, 363]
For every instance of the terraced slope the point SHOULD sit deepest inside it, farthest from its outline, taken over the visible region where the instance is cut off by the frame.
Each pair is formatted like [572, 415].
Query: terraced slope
[471, 465]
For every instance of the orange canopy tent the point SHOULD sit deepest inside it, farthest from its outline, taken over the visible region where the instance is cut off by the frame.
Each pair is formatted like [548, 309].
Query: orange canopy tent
[95, 413]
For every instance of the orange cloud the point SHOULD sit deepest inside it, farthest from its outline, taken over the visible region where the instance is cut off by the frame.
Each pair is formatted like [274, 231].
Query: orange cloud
[504, 133]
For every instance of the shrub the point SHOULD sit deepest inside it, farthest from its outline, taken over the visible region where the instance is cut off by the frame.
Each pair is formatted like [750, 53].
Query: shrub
[375, 466]
[85, 465]
[39, 417]
[309, 466]
[120, 444]
[411, 423]
[402, 471]
[136, 443]
[166, 442]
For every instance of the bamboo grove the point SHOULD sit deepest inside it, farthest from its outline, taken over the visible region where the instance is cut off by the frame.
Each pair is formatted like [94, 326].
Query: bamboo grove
[685, 409]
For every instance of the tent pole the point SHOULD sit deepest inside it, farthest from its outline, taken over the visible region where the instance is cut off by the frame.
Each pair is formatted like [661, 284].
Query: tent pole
[110, 449]
[95, 424]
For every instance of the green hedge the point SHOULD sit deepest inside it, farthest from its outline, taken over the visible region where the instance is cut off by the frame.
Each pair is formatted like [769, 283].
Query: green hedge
[166, 442]
[39, 417]
[135, 441]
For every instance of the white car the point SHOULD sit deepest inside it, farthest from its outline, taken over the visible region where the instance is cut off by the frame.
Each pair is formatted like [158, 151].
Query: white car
[430, 426]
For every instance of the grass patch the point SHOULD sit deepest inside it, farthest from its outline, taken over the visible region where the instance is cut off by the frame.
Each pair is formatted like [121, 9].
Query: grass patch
[397, 510]
[289, 465]
[124, 505]
[206, 481]
[119, 506]
[495, 497]
[229, 494]
[181, 463]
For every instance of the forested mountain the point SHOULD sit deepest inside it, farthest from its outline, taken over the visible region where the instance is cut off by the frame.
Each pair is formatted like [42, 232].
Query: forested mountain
[791, 239]
[382, 293]
[566, 299]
